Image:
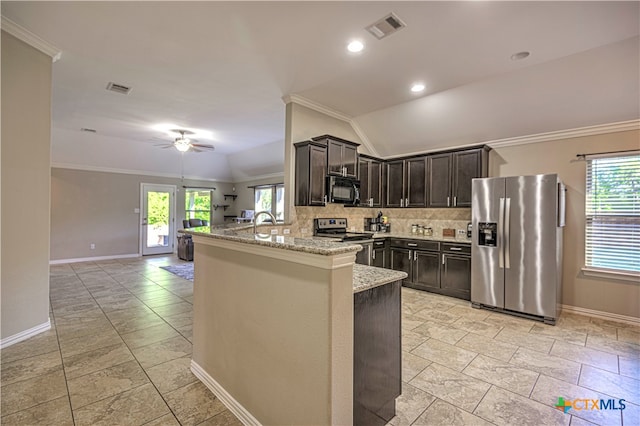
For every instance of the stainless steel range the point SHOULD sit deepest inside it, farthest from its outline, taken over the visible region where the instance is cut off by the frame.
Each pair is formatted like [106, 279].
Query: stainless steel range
[337, 229]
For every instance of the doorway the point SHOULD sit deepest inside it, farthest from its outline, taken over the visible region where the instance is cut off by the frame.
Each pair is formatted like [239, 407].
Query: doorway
[157, 233]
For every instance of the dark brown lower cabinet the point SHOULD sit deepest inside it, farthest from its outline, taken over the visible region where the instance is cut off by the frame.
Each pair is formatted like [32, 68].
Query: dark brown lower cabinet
[443, 268]
[421, 266]
[377, 371]
[456, 275]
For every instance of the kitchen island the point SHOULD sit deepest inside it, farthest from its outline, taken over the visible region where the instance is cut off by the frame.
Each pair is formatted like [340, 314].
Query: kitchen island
[273, 333]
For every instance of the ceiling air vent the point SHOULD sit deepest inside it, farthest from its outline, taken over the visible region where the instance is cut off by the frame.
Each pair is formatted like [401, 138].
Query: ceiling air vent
[386, 26]
[118, 88]
[86, 129]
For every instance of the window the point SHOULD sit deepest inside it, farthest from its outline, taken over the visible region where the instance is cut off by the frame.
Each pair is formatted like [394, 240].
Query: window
[613, 214]
[197, 204]
[271, 199]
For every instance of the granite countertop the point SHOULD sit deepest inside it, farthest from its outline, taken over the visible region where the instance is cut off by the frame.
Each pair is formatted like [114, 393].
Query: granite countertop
[366, 277]
[422, 237]
[308, 245]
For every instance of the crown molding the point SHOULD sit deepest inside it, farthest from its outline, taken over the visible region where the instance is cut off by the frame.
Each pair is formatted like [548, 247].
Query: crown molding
[261, 177]
[30, 38]
[88, 168]
[297, 99]
[599, 129]
[300, 100]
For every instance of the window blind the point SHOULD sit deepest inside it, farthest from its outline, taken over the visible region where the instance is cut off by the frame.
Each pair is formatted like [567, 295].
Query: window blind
[613, 213]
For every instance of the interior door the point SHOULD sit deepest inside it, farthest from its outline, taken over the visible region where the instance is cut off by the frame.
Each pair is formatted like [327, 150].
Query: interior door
[158, 219]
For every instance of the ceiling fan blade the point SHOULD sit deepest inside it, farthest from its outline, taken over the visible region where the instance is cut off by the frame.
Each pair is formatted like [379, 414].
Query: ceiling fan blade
[203, 146]
[194, 149]
[164, 145]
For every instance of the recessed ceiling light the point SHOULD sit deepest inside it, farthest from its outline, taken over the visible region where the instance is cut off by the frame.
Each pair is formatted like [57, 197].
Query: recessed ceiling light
[417, 87]
[520, 55]
[355, 46]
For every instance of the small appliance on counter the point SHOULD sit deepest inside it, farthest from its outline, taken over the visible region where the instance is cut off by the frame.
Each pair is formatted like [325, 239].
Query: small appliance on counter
[377, 224]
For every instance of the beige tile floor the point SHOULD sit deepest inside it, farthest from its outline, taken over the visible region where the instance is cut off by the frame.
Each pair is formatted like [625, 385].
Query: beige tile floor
[120, 346]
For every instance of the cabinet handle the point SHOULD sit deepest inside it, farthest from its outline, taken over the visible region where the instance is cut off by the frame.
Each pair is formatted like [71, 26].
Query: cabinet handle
[409, 254]
[448, 202]
[455, 248]
[401, 202]
[379, 244]
[325, 200]
[373, 255]
[415, 255]
[455, 201]
[370, 202]
[443, 259]
[412, 244]
[406, 202]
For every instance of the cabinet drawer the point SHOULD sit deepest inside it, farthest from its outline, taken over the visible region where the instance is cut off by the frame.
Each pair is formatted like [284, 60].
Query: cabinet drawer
[456, 248]
[416, 244]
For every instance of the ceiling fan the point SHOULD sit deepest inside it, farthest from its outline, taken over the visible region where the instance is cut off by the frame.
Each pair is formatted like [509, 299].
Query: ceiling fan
[183, 144]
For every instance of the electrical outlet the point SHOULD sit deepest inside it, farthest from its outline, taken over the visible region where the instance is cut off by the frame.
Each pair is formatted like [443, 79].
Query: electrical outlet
[462, 232]
[353, 229]
[304, 231]
[286, 231]
[92, 246]
[274, 232]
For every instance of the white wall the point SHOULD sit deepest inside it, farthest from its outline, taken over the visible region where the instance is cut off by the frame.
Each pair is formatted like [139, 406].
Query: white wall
[558, 156]
[26, 135]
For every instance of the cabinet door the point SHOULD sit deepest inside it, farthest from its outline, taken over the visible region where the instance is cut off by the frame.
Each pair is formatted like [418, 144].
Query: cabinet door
[426, 269]
[350, 160]
[439, 194]
[377, 258]
[416, 193]
[375, 183]
[395, 184]
[401, 260]
[456, 274]
[365, 178]
[363, 257]
[334, 158]
[466, 166]
[318, 158]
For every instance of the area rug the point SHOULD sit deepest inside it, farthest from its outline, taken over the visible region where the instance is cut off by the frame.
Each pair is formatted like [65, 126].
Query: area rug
[185, 270]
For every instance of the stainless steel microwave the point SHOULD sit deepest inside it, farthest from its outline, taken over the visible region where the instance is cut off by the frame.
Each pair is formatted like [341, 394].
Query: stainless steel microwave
[343, 190]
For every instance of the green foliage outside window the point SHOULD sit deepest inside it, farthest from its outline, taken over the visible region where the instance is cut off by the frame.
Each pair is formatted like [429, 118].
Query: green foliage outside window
[158, 206]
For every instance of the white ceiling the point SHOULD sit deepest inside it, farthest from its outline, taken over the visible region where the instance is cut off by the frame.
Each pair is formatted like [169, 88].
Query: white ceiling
[225, 66]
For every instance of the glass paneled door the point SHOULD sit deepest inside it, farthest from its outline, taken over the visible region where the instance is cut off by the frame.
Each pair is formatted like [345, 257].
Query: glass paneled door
[158, 223]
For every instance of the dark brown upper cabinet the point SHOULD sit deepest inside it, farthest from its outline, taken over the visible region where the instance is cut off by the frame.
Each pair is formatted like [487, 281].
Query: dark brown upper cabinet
[450, 176]
[310, 174]
[370, 181]
[342, 156]
[406, 184]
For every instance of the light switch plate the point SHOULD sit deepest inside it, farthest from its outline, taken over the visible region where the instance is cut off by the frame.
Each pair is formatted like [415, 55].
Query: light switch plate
[274, 232]
[286, 231]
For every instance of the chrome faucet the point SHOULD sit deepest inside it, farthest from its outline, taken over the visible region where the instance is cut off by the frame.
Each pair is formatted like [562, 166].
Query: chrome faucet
[255, 219]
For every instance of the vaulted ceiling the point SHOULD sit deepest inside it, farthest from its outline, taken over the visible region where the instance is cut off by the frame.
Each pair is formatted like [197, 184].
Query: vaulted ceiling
[225, 66]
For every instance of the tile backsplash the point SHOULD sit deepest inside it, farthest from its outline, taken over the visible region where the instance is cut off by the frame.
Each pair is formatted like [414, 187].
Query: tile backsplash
[400, 219]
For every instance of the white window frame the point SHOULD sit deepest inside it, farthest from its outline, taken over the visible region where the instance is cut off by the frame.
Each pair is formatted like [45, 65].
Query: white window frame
[186, 198]
[628, 216]
[274, 206]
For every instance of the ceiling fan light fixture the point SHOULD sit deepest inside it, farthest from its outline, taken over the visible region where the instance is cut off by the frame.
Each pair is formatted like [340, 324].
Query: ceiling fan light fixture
[182, 144]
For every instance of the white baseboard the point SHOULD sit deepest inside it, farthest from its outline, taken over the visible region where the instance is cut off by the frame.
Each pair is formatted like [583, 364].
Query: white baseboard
[602, 314]
[24, 335]
[93, 259]
[234, 406]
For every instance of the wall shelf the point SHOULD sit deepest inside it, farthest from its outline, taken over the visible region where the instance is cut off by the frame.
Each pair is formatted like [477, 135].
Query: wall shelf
[232, 196]
[217, 206]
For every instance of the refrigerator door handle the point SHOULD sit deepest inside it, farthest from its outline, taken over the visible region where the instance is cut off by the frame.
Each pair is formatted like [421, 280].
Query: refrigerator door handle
[500, 238]
[507, 231]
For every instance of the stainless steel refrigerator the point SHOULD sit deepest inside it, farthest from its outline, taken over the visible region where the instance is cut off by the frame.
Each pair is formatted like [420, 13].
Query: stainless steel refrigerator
[516, 248]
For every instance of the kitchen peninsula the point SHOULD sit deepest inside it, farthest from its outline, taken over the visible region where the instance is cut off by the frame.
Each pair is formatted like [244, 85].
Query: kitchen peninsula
[284, 328]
